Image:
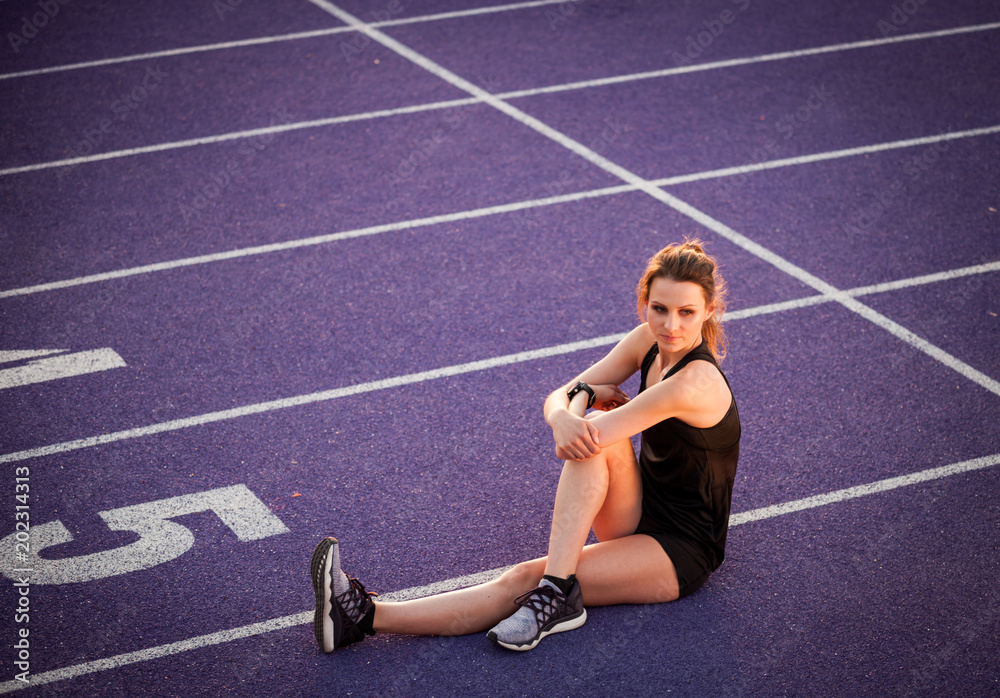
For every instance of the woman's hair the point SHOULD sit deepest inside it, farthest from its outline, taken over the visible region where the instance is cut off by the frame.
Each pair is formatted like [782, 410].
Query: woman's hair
[687, 261]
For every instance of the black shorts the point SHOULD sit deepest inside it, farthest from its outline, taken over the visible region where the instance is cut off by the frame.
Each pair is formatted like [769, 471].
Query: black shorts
[690, 559]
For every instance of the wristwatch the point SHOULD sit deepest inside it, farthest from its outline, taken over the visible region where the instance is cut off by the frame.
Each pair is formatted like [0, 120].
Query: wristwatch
[581, 386]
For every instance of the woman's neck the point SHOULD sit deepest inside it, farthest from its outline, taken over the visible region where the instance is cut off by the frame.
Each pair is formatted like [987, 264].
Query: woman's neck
[670, 356]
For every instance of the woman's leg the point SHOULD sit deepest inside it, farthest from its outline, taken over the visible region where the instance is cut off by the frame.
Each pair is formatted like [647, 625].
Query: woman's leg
[604, 491]
[461, 611]
[632, 569]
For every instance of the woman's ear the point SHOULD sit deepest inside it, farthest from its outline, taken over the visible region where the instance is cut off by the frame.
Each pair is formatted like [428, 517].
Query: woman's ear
[710, 310]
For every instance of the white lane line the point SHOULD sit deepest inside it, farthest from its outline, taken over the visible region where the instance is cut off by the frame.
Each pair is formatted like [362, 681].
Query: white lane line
[237, 135]
[925, 279]
[318, 240]
[129, 152]
[833, 293]
[843, 495]
[310, 398]
[491, 210]
[772, 308]
[167, 53]
[582, 84]
[750, 60]
[457, 14]
[670, 200]
[481, 365]
[820, 157]
[296, 619]
[145, 655]
[295, 36]
[922, 344]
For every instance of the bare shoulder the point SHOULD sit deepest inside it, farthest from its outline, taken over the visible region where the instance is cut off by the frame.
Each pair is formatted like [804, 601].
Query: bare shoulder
[624, 359]
[638, 341]
[705, 396]
[700, 375]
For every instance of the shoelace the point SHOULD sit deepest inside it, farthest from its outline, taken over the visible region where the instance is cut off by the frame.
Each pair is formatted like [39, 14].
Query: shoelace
[543, 600]
[352, 599]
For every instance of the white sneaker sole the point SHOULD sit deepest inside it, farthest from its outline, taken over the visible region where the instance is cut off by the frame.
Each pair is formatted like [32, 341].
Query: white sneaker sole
[568, 624]
[324, 627]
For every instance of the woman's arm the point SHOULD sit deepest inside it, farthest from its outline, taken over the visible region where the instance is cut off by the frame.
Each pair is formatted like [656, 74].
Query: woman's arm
[577, 438]
[696, 394]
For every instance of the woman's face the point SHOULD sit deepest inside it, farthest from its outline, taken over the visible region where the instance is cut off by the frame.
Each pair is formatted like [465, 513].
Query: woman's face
[675, 312]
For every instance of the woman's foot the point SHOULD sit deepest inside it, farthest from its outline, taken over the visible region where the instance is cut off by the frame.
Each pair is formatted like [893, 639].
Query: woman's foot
[344, 610]
[544, 610]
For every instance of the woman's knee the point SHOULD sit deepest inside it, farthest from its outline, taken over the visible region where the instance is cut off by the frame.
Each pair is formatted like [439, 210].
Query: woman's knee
[523, 576]
[621, 460]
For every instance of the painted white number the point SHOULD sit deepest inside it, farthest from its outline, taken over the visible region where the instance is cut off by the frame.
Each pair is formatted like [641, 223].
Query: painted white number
[40, 370]
[160, 540]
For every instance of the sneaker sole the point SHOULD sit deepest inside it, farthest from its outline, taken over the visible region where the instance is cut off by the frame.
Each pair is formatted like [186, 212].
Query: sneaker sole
[571, 623]
[325, 624]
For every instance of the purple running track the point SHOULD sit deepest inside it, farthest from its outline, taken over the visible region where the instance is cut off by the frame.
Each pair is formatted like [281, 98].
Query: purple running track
[425, 483]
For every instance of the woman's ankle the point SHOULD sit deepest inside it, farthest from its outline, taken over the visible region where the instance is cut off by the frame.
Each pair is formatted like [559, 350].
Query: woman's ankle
[563, 583]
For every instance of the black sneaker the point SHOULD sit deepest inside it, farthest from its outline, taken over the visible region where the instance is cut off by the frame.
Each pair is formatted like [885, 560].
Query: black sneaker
[341, 601]
[544, 610]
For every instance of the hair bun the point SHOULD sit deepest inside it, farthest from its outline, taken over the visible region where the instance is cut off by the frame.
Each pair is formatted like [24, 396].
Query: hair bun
[694, 245]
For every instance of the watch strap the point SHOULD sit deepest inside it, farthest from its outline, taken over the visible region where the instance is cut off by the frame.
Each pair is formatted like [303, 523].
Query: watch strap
[582, 387]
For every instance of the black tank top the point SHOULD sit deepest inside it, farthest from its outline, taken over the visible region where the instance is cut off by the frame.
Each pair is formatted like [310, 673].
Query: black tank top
[688, 473]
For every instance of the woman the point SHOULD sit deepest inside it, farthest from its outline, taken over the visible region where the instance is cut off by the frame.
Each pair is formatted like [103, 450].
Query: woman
[660, 519]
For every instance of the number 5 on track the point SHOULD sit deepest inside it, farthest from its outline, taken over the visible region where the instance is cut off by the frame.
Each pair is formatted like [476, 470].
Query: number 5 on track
[160, 540]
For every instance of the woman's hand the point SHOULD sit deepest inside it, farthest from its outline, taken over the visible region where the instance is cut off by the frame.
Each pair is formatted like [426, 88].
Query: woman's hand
[608, 396]
[576, 438]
